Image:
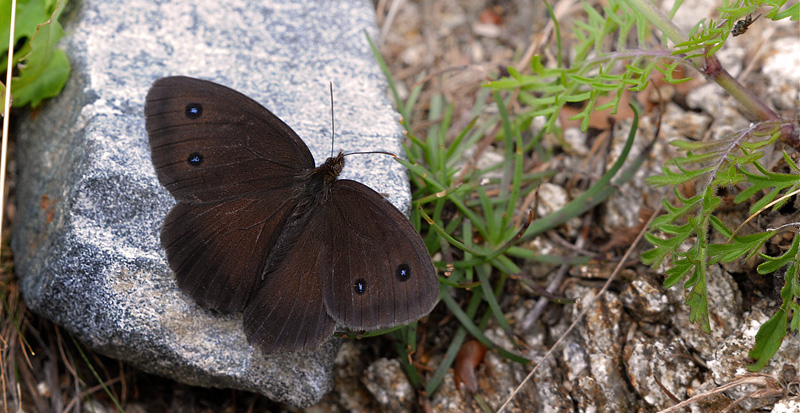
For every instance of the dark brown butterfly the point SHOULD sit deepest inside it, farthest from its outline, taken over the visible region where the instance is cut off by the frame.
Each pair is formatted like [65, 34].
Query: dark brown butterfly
[259, 229]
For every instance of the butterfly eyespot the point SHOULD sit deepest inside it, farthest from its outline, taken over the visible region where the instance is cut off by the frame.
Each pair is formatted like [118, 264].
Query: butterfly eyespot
[195, 159]
[403, 272]
[360, 287]
[194, 110]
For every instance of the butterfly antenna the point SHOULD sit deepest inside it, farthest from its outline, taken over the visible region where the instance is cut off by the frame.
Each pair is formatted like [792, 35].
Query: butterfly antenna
[332, 124]
[330, 84]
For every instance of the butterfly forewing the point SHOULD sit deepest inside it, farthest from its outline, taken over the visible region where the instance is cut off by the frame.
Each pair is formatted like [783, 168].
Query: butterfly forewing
[210, 143]
[384, 276]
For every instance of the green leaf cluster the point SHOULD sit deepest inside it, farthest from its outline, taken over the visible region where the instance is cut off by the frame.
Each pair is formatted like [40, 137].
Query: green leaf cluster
[692, 237]
[616, 52]
[708, 38]
[43, 69]
[457, 209]
[594, 70]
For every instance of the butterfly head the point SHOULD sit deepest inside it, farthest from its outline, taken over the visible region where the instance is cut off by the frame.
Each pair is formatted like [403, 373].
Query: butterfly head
[331, 169]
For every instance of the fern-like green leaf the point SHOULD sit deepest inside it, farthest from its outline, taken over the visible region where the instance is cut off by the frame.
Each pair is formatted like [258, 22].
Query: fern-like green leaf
[768, 340]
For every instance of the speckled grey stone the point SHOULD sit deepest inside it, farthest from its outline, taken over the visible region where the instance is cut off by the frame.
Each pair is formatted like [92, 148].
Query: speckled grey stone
[86, 239]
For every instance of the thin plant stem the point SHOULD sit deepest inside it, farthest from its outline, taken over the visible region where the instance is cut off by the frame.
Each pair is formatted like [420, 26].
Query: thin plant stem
[6, 116]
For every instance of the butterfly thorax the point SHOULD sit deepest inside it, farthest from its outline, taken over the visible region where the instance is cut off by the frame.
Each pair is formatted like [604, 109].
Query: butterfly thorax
[319, 181]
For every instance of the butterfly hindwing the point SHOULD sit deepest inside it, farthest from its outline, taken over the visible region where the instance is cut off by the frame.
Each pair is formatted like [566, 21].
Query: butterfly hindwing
[218, 250]
[384, 276]
[288, 313]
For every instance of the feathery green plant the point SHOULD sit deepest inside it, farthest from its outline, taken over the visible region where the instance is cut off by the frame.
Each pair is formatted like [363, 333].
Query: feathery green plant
[617, 51]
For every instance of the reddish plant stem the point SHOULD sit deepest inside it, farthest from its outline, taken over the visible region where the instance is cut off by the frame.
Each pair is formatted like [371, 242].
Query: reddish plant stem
[714, 71]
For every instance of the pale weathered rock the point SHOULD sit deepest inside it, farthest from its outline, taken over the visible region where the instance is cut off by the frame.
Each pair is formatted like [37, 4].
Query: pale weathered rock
[388, 383]
[593, 353]
[731, 355]
[645, 300]
[724, 308]
[665, 360]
